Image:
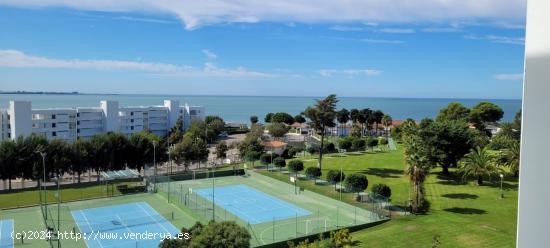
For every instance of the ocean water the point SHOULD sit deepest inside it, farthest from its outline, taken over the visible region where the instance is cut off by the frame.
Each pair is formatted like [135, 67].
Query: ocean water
[240, 108]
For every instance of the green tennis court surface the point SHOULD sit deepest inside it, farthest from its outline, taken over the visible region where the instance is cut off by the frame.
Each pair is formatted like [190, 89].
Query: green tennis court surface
[268, 208]
[6, 229]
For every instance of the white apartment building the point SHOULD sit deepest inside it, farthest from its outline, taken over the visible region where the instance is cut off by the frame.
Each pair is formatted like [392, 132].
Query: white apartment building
[74, 123]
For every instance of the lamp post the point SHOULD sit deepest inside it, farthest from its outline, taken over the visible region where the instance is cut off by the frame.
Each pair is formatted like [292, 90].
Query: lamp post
[58, 205]
[501, 193]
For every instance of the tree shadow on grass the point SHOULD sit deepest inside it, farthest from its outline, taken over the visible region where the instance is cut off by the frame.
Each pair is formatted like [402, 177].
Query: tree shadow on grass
[465, 210]
[383, 172]
[461, 196]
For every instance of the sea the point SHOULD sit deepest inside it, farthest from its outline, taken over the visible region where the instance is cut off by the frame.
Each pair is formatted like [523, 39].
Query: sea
[240, 108]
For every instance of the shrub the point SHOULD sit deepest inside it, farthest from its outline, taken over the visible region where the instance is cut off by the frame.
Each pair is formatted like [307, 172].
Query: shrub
[372, 142]
[293, 151]
[296, 165]
[265, 158]
[279, 162]
[313, 149]
[335, 176]
[382, 141]
[358, 144]
[313, 172]
[344, 144]
[356, 183]
[381, 189]
[329, 147]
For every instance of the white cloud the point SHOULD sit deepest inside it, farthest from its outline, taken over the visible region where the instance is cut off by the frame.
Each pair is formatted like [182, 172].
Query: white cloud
[345, 28]
[140, 19]
[209, 54]
[397, 30]
[509, 77]
[349, 72]
[196, 13]
[442, 30]
[381, 41]
[18, 59]
[497, 39]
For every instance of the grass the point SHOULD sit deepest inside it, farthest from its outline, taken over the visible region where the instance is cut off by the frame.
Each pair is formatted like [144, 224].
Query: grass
[461, 214]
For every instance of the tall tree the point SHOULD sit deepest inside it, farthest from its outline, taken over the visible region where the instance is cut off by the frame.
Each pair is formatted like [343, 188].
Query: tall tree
[511, 156]
[364, 115]
[485, 112]
[282, 117]
[81, 159]
[453, 112]
[386, 121]
[8, 157]
[517, 121]
[253, 120]
[448, 142]
[277, 130]
[322, 116]
[300, 119]
[478, 163]
[221, 150]
[354, 115]
[418, 166]
[377, 118]
[268, 117]
[342, 117]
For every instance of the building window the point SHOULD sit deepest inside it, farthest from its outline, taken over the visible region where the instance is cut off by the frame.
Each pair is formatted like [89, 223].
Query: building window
[8, 117]
[9, 126]
[131, 113]
[78, 131]
[77, 122]
[193, 112]
[53, 124]
[53, 117]
[132, 120]
[54, 134]
[132, 128]
[77, 114]
[9, 135]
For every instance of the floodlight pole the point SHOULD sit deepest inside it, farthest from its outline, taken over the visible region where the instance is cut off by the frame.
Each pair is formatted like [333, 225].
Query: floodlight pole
[43, 154]
[155, 164]
[213, 182]
[341, 181]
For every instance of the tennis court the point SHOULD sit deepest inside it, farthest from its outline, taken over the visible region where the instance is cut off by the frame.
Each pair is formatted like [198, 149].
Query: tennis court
[6, 228]
[112, 223]
[250, 204]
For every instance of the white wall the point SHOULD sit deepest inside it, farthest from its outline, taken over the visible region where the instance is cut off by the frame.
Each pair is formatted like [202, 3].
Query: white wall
[534, 188]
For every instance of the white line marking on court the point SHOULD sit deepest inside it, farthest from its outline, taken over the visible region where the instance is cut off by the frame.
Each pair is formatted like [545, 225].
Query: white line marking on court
[163, 227]
[12, 230]
[1, 225]
[125, 226]
[90, 226]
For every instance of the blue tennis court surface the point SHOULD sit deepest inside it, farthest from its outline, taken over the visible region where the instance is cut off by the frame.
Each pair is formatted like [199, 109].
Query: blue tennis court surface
[250, 204]
[118, 220]
[6, 228]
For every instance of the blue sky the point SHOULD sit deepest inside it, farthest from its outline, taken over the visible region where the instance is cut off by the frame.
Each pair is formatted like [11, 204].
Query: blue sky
[417, 48]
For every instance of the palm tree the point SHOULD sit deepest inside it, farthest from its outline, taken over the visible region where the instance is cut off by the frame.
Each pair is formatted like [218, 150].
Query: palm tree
[417, 170]
[387, 121]
[343, 117]
[478, 163]
[511, 156]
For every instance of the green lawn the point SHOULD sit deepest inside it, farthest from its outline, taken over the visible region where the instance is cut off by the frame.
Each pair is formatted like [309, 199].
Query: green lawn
[461, 215]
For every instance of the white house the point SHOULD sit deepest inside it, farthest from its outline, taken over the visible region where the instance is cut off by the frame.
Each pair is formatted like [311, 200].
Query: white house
[74, 123]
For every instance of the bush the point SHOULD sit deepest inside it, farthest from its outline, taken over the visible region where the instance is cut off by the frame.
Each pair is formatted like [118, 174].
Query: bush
[329, 147]
[286, 154]
[313, 172]
[358, 144]
[265, 158]
[295, 166]
[344, 144]
[335, 176]
[356, 183]
[293, 151]
[279, 162]
[372, 142]
[313, 149]
[382, 141]
[381, 189]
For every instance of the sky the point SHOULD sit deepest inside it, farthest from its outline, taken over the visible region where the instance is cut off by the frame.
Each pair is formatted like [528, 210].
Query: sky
[371, 48]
